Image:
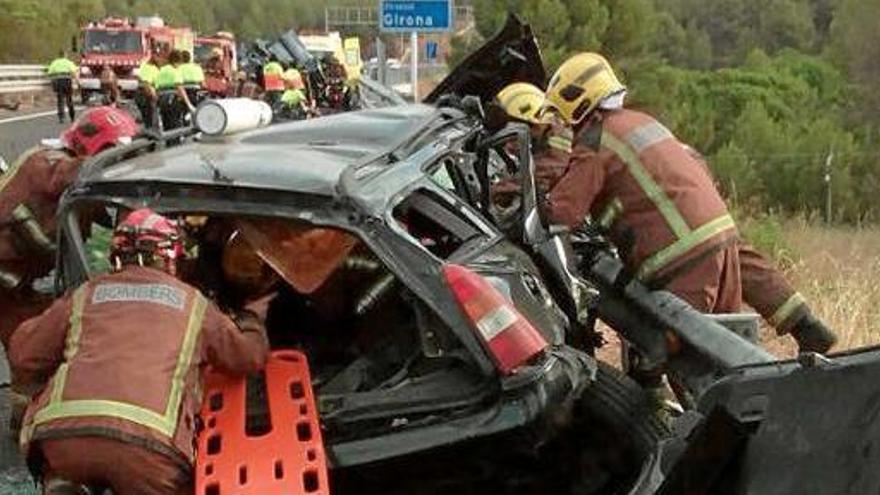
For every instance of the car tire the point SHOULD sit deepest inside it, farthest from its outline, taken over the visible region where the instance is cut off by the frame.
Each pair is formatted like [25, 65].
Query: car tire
[618, 431]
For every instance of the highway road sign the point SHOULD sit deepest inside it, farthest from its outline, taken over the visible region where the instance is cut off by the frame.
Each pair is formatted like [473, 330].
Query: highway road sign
[423, 16]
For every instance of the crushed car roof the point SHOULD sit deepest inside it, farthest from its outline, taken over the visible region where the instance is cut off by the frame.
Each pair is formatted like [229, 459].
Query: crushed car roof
[306, 156]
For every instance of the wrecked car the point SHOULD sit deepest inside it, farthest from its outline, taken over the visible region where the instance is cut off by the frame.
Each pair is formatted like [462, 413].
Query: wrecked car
[433, 341]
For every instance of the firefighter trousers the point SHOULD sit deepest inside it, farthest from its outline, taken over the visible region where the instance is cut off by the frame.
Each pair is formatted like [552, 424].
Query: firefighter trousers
[713, 284]
[123, 468]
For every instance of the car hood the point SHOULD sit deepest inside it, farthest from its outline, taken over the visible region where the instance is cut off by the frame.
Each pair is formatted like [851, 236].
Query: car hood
[511, 55]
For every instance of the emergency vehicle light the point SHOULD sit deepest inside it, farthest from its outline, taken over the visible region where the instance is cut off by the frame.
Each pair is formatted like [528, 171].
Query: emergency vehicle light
[511, 340]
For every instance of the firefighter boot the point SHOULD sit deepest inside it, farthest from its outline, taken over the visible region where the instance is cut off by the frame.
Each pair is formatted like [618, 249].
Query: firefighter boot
[812, 335]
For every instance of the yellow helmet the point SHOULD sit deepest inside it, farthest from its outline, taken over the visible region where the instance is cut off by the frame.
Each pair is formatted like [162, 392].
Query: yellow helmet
[522, 101]
[579, 85]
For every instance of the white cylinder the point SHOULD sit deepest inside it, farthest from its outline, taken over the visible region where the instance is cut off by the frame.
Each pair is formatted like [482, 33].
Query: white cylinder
[231, 115]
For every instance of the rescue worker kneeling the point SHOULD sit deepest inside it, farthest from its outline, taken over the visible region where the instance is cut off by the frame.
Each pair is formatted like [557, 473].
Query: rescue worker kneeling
[120, 362]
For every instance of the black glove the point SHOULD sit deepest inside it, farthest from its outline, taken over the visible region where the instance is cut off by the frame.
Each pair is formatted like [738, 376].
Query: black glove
[812, 335]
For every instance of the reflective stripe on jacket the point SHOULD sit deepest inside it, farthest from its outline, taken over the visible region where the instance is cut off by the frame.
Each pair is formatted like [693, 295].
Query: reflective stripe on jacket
[631, 172]
[125, 353]
[766, 289]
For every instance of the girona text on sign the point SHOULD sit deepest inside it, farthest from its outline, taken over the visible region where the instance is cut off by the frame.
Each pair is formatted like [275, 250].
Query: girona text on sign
[416, 15]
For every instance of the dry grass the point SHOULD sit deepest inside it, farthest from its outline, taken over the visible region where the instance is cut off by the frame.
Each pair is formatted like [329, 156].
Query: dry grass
[837, 269]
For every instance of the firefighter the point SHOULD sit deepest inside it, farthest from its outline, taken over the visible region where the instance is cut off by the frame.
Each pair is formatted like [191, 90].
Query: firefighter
[336, 93]
[214, 67]
[522, 102]
[119, 363]
[293, 100]
[173, 100]
[62, 71]
[246, 86]
[29, 193]
[273, 83]
[109, 86]
[193, 77]
[146, 97]
[659, 204]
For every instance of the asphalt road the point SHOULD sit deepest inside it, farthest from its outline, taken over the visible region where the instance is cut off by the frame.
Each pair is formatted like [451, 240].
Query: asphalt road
[20, 132]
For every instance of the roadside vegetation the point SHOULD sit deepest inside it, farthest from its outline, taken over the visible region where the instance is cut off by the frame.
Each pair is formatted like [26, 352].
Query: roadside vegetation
[768, 90]
[837, 269]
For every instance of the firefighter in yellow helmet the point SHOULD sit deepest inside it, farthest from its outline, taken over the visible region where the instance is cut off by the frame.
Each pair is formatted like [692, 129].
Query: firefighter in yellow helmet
[551, 139]
[657, 199]
[658, 203]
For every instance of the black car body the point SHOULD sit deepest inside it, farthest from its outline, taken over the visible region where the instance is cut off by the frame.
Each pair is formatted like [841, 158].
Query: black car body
[391, 179]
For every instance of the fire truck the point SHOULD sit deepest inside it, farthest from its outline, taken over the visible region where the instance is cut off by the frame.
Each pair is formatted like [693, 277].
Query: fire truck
[123, 46]
[219, 72]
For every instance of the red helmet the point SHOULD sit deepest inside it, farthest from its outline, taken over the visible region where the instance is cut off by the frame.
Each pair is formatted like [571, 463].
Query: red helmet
[99, 128]
[145, 237]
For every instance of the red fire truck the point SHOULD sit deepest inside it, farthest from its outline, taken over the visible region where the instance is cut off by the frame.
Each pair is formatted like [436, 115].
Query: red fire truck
[219, 72]
[123, 45]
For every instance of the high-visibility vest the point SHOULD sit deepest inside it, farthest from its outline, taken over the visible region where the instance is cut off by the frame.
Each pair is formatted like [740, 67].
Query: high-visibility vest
[147, 73]
[292, 97]
[192, 73]
[272, 80]
[61, 67]
[168, 77]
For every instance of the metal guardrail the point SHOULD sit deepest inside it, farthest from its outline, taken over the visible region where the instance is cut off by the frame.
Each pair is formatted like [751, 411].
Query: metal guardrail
[23, 78]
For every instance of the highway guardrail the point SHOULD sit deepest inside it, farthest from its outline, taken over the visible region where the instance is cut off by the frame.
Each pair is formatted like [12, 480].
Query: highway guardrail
[23, 79]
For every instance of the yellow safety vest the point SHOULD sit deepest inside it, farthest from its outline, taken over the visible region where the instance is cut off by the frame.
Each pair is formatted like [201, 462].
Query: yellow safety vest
[168, 78]
[61, 67]
[147, 73]
[192, 73]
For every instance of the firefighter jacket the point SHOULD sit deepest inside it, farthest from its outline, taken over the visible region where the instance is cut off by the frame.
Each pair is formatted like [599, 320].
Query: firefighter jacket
[61, 68]
[124, 355]
[29, 194]
[659, 204]
[168, 78]
[192, 74]
[272, 77]
[147, 73]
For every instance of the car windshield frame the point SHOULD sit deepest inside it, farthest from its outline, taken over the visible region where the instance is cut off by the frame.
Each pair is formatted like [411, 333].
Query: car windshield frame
[116, 41]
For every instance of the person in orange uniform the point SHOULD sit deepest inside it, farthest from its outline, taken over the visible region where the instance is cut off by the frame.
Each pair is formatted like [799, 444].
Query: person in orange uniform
[661, 206]
[118, 363]
[29, 193]
[273, 82]
[657, 203]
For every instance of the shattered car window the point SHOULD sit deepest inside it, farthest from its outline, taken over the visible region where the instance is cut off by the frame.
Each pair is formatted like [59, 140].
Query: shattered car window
[433, 224]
